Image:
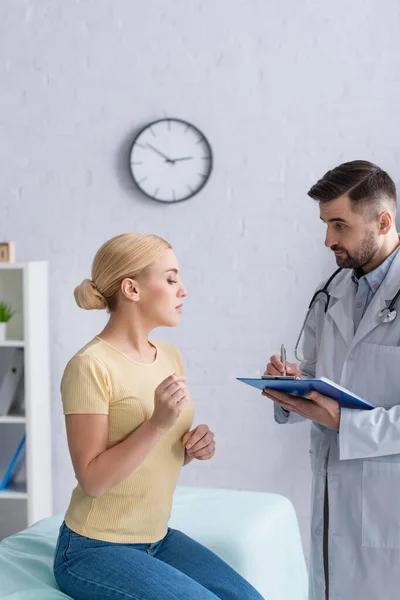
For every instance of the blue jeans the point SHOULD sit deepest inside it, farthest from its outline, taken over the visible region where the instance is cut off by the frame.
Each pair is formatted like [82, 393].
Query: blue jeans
[175, 568]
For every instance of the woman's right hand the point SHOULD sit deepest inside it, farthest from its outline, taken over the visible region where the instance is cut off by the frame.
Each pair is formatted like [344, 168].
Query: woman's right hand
[170, 398]
[275, 367]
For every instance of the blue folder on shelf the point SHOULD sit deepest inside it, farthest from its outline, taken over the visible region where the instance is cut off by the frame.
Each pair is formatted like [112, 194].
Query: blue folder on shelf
[302, 387]
[15, 465]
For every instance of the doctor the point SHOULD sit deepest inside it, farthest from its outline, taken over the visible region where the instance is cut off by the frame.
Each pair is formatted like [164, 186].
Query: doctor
[355, 454]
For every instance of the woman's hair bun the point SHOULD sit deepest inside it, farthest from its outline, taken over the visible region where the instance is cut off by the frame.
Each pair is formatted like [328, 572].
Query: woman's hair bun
[87, 296]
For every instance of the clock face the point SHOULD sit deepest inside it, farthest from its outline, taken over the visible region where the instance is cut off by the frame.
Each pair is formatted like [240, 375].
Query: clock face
[171, 160]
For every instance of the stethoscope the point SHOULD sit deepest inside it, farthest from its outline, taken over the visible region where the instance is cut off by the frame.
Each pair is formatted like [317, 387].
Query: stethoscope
[387, 315]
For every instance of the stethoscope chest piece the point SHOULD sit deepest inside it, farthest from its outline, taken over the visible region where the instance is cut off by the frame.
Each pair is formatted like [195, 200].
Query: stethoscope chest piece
[387, 315]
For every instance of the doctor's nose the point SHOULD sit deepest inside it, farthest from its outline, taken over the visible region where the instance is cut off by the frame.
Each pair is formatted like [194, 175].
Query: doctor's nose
[330, 239]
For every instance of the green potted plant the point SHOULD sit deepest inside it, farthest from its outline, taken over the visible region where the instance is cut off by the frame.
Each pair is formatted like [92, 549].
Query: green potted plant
[6, 312]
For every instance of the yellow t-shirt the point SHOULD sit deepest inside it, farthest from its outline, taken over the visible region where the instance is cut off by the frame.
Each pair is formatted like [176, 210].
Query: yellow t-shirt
[100, 379]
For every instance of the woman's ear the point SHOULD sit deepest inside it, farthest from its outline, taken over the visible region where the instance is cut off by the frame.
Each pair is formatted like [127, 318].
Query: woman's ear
[130, 289]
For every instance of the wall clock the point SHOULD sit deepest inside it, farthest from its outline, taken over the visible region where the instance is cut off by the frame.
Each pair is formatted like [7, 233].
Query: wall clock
[171, 160]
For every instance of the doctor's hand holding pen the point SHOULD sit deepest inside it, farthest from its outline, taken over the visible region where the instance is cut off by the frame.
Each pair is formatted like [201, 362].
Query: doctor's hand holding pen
[322, 410]
[276, 367]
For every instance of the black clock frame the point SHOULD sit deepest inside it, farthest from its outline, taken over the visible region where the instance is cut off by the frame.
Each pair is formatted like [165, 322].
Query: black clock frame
[211, 162]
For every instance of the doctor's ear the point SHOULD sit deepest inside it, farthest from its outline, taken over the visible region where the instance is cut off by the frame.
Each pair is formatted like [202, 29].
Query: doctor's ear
[130, 289]
[385, 221]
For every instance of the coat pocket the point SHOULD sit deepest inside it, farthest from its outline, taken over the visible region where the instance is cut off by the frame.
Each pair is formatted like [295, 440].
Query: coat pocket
[381, 505]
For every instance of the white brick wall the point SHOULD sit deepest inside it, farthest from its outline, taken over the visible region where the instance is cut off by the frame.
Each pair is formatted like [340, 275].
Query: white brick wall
[284, 91]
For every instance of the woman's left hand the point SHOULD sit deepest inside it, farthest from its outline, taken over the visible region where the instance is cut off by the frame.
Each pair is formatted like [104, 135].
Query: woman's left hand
[199, 443]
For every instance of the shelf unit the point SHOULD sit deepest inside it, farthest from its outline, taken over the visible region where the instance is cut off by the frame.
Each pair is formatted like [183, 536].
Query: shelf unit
[29, 498]
[12, 343]
[12, 419]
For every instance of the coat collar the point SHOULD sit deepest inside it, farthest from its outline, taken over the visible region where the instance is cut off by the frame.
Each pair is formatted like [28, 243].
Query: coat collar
[341, 306]
[385, 293]
[341, 310]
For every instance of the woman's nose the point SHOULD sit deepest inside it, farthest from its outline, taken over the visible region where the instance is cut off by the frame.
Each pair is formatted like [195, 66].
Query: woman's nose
[183, 292]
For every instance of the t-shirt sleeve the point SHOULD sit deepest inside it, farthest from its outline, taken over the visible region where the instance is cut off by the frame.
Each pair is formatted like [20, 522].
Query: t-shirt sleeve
[85, 387]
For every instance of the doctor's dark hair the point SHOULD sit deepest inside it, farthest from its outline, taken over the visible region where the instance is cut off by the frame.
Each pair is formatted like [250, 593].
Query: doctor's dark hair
[366, 184]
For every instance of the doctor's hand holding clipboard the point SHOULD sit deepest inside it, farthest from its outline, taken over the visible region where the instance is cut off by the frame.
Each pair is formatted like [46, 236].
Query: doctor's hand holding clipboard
[322, 410]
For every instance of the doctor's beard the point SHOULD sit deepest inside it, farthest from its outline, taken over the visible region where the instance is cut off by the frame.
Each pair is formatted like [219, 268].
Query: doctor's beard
[368, 249]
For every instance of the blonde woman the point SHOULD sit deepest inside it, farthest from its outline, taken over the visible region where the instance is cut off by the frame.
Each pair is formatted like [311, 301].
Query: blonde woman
[128, 418]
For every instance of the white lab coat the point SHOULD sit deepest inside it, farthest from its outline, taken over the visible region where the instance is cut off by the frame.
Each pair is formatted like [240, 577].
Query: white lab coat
[361, 463]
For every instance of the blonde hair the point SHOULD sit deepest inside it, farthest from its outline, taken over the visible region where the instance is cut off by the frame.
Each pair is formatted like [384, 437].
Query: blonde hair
[126, 255]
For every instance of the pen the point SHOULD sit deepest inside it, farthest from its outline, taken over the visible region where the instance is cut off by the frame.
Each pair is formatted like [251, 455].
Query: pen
[283, 359]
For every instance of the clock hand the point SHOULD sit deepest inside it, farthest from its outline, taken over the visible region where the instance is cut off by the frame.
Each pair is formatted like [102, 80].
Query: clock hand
[169, 160]
[184, 158]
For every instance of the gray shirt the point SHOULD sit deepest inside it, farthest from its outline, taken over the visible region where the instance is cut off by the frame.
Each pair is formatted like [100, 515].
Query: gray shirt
[367, 285]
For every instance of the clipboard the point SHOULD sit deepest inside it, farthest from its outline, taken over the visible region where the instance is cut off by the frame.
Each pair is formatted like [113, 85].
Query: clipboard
[302, 387]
